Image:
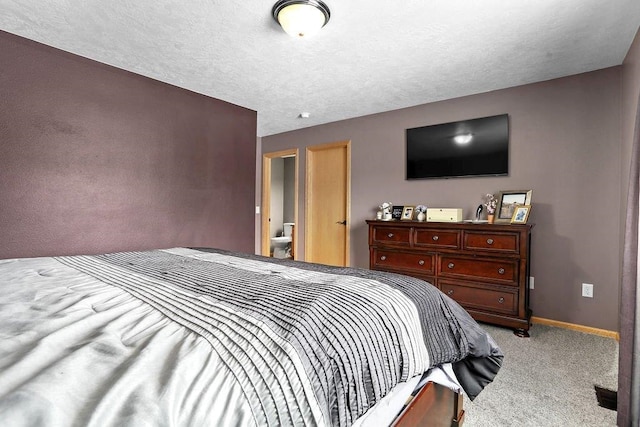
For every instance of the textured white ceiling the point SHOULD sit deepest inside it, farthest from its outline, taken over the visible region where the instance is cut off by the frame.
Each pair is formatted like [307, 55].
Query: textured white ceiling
[373, 55]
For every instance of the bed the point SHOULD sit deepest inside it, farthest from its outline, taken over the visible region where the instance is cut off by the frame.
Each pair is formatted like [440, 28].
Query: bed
[196, 336]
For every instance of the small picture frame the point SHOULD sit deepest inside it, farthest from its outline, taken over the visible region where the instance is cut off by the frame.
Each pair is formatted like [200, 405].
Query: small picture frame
[520, 214]
[396, 212]
[407, 213]
[507, 202]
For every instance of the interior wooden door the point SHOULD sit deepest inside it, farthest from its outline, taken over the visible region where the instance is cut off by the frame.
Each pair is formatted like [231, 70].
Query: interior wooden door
[327, 203]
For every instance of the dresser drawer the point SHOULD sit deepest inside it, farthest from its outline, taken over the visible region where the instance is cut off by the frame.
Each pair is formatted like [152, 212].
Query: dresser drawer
[492, 242]
[437, 239]
[421, 263]
[482, 297]
[503, 271]
[396, 236]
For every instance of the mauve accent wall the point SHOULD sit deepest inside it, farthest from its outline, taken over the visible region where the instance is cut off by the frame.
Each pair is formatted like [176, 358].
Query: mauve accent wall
[565, 141]
[96, 159]
[630, 93]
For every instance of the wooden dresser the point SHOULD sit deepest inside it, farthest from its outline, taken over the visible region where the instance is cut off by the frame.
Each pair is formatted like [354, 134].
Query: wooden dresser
[484, 267]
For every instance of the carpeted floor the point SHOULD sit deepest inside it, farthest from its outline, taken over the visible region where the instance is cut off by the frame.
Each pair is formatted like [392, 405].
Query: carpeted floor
[547, 380]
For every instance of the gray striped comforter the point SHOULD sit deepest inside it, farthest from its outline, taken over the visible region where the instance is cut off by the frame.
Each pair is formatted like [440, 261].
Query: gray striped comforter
[306, 344]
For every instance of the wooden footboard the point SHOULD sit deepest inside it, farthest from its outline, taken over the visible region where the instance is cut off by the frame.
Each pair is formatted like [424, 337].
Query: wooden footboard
[434, 405]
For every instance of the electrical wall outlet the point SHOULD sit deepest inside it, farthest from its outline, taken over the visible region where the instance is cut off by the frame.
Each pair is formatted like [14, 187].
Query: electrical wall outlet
[587, 290]
[531, 281]
[257, 210]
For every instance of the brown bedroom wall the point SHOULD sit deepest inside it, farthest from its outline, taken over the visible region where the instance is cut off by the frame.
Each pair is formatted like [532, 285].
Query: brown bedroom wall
[565, 145]
[96, 159]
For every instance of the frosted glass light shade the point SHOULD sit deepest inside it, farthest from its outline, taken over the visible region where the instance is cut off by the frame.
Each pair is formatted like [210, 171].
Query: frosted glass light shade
[301, 18]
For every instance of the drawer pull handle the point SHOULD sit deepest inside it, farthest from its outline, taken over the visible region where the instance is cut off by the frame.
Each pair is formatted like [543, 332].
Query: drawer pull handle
[450, 292]
[390, 235]
[489, 241]
[501, 300]
[451, 265]
[501, 271]
[421, 262]
[383, 257]
[435, 238]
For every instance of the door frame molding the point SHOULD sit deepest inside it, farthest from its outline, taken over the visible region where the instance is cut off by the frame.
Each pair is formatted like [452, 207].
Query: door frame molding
[308, 240]
[266, 200]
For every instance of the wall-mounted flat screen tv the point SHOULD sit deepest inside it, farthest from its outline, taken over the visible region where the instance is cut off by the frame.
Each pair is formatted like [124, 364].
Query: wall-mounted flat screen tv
[476, 147]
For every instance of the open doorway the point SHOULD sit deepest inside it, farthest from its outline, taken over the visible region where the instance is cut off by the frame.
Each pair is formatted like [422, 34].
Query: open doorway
[279, 204]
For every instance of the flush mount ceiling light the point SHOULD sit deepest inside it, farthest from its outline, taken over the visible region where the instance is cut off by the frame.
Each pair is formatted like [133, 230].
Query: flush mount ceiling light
[301, 18]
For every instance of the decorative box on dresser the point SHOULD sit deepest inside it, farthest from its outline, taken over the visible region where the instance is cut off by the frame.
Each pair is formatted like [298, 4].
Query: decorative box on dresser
[484, 267]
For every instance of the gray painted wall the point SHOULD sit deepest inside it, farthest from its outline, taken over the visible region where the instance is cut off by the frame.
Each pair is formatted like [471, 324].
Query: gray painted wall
[277, 197]
[565, 146]
[282, 207]
[289, 208]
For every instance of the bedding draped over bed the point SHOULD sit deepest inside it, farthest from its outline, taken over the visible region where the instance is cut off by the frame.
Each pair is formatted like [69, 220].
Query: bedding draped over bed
[296, 343]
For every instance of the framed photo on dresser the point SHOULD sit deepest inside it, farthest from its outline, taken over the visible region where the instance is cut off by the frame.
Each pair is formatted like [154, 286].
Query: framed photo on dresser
[407, 213]
[520, 214]
[507, 202]
[397, 211]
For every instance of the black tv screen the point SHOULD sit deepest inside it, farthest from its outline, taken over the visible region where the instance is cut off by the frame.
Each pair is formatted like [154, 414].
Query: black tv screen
[476, 147]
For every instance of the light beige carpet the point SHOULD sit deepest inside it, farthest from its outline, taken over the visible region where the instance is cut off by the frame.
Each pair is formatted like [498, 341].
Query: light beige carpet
[547, 380]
